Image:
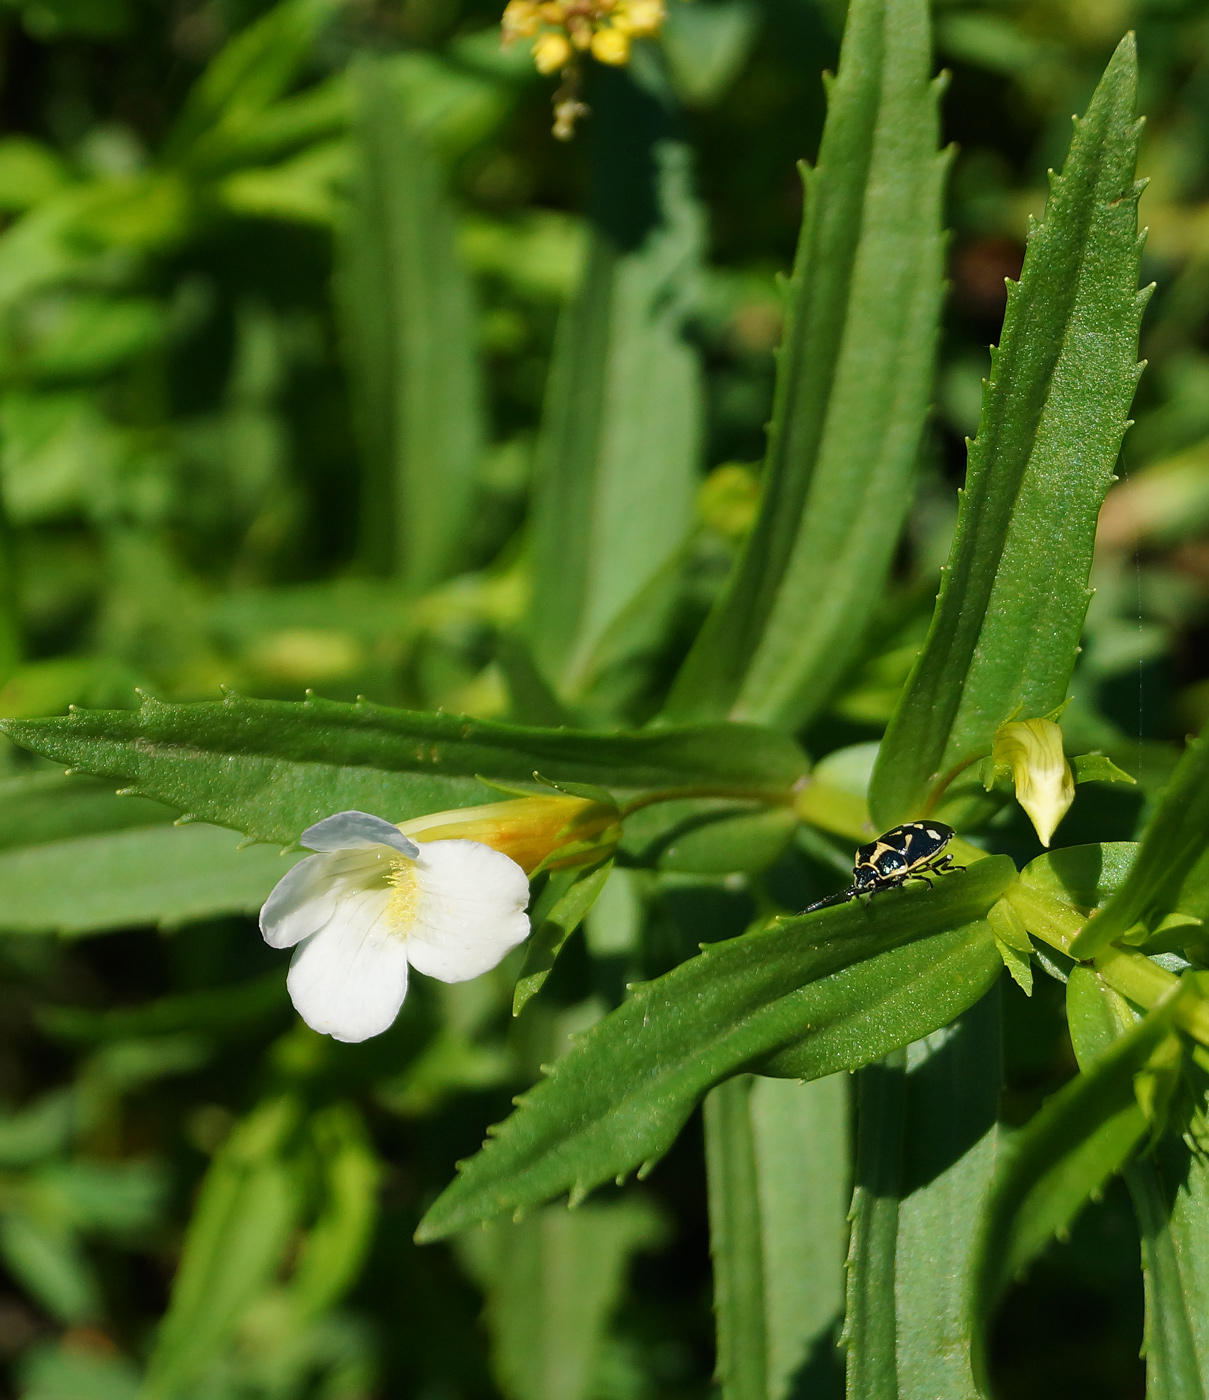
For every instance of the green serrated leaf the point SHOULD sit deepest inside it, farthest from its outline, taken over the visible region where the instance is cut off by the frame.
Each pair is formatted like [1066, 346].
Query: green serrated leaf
[1098, 768]
[853, 382]
[552, 929]
[618, 1098]
[1173, 842]
[271, 768]
[410, 339]
[1006, 628]
[926, 1151]
[950, 1151]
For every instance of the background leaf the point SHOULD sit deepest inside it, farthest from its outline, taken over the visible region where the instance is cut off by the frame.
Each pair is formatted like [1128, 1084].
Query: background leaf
[551, 1282]
[853, 379]
[621, 426]
[409, 335]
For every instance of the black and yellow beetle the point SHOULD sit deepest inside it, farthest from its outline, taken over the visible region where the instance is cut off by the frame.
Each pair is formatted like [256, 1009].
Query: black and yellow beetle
[913, 851]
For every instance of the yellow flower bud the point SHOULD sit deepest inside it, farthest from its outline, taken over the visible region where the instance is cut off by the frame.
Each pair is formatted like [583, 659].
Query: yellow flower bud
[551, 52]
[521, 20]
[611, 46]
[1045, 785]
[556, 831]
[640, 18]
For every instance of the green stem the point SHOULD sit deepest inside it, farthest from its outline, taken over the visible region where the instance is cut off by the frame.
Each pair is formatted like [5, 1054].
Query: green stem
[1132, 974]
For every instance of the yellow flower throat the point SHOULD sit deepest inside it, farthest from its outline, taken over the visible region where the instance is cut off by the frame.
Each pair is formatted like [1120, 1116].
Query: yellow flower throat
[403, 906]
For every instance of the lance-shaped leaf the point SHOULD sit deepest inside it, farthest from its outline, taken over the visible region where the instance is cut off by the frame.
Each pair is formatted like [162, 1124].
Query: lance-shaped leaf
[926, 1144]
[1006, 627]
[616, 1101]
[854, 374]
[622, 424]
[1174, 841]
[409, 339]
[271, 768]
[950, 1146]
[1081, 1136]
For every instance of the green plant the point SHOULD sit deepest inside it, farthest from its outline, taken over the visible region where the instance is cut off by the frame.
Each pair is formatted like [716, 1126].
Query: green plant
[683, 664]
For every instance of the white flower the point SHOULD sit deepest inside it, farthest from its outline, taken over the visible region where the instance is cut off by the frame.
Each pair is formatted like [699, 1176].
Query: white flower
[374, 901]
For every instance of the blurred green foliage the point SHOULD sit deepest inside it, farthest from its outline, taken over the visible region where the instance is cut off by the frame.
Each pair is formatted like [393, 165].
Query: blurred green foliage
[245, 251]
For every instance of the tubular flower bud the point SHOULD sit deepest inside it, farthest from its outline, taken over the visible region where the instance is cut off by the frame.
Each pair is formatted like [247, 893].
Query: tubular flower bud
[1045, 786]
[554, 832]
[445, 894]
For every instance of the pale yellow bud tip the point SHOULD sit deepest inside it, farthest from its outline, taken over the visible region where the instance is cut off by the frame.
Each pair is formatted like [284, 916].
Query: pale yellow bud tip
[1045, 785]
[611, 46]
[551, 52]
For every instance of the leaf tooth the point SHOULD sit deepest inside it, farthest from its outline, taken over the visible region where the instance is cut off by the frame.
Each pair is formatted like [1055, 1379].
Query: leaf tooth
[577, 1195]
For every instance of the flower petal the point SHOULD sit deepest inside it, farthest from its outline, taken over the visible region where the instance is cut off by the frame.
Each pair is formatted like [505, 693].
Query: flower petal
[349, 979]
[472, 910]
[302, 901]
[354, 831]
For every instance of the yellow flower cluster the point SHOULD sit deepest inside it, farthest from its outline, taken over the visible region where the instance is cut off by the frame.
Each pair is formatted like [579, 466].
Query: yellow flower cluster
[561, 29]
